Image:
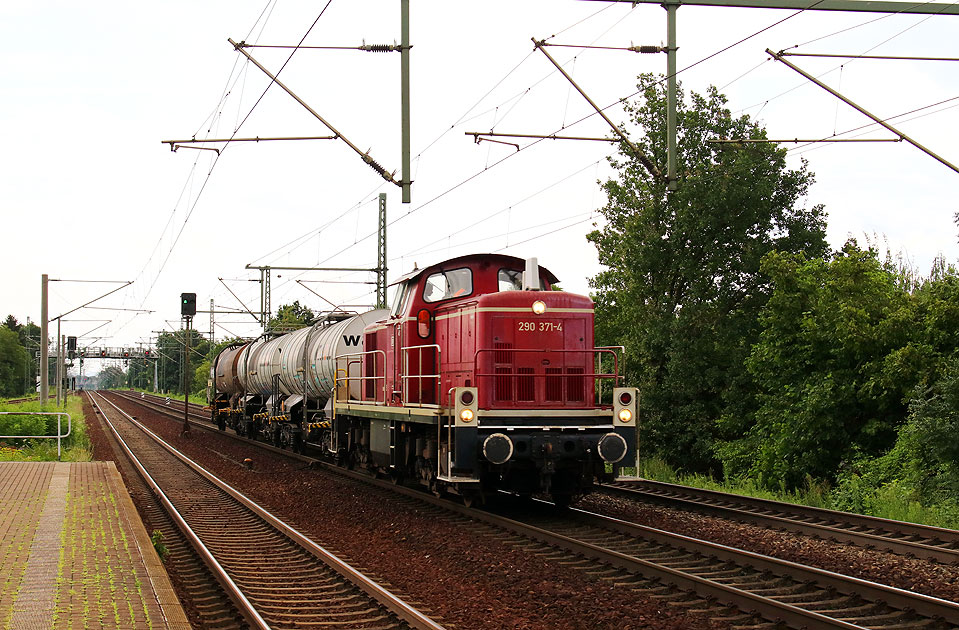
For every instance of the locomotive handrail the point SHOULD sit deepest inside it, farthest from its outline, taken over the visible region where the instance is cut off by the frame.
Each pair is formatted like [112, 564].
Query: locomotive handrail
[406, 368]
[449, 435]
[597, 377]
[599, 390]
[363, 379]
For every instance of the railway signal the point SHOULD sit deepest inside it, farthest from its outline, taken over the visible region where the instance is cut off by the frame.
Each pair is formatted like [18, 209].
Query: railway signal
[188, 304]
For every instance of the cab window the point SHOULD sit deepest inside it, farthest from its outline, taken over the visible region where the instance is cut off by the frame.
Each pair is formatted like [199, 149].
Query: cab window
[510, 280]
[399, 299]
[445, 285]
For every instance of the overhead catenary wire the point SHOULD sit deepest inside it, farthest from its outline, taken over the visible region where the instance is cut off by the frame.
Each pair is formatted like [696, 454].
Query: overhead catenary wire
[216, 159]
[459, 121]
[806, 148]
[863, 111]
[866, 23]
[421, 249]
[210, 118]
[591, 114]
[485, 169]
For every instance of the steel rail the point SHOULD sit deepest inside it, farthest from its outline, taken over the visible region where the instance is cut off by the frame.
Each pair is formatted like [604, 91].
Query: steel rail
[206, 426]
[795, 616]
[394, 604]
[926, 605]
[802, 519]
[226, 582]
[657, 491]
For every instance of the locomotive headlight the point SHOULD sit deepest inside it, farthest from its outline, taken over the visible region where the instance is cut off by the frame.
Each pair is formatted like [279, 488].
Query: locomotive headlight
[466, 405]
[625, 415]
[539, 307]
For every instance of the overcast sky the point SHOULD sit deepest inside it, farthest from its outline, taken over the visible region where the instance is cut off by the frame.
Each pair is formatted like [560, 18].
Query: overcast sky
[89, 91]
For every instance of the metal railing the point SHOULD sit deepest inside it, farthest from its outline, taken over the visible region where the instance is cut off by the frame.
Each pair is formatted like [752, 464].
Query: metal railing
[406, 376]
[356, 358]
[617, 351]
[58, 436]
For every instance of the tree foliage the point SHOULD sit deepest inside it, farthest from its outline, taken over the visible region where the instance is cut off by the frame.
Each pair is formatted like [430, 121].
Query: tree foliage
[291, 317]
[28, 337]
[111, 377]
[170, 347]
[845, 346]
[683, 287]
[13, 364]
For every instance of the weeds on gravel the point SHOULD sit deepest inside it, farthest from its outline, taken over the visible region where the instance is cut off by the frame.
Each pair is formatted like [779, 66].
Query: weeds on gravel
[161, 549]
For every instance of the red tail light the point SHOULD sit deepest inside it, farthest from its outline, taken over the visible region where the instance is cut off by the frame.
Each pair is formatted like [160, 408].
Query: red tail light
[423, 323]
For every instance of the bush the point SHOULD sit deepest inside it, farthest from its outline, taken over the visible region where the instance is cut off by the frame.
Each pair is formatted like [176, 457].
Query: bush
[76, 447]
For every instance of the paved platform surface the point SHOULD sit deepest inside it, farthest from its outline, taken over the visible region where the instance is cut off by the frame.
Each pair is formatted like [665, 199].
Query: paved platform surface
[74, 552]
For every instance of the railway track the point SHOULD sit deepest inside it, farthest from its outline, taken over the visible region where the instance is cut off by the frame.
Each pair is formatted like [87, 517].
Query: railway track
[909, 539]
[276, 577]
[739, 587]
[775, 590]
[206, 602]
[902, 538]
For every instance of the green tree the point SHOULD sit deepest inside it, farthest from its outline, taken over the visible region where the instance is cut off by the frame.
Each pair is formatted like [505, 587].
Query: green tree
[140, 373]
[682, 289]
[926, 453]
[29, 337]
[13, 363]
[818, 364]
[170, 348]
[845, 347]
[291, 317]
[111, 377]
[12, 323]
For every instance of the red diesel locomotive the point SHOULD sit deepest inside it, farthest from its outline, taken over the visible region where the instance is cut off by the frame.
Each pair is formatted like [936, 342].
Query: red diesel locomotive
[480, 377]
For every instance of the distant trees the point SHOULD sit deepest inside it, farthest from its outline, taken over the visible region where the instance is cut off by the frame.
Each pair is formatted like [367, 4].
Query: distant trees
[170, 347]
[13, 364]
[683, 288]
[18, 369]
[291, 317]
[111, 377]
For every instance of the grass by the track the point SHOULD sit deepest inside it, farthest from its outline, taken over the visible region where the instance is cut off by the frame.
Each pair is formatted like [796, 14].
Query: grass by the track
[75, 448]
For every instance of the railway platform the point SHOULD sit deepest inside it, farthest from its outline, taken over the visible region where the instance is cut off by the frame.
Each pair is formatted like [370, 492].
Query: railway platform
[75, 554]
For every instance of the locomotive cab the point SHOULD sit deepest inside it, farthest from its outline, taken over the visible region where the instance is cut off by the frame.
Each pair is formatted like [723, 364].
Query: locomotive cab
[483, 376]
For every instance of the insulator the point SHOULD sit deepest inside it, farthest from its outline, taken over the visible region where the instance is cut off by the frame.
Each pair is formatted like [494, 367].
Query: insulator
[376, 167]
[647, 49]
[378, 47]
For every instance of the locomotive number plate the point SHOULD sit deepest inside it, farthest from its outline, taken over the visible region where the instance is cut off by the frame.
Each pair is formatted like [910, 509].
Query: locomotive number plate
[540, 326]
